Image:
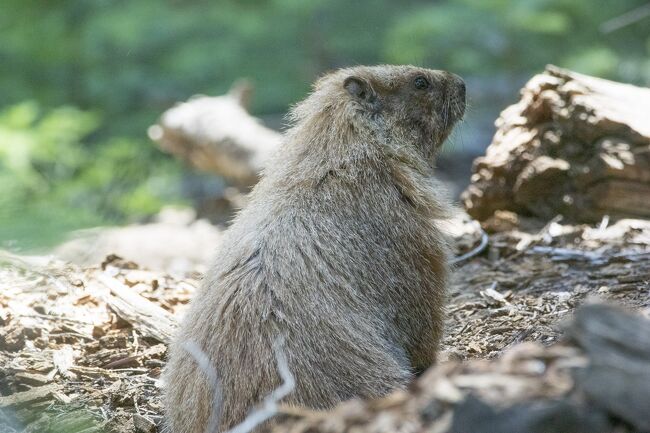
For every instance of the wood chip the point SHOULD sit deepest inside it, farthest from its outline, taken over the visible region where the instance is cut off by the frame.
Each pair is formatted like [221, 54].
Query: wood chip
[148, 318]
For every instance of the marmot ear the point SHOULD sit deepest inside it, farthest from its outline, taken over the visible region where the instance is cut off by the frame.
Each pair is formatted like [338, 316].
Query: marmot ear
[359, 88]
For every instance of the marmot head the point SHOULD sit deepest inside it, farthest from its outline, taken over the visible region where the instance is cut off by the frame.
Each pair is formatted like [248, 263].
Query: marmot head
[393, 105]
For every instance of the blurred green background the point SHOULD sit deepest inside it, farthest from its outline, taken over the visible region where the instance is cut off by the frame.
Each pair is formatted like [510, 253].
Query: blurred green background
[81, 80]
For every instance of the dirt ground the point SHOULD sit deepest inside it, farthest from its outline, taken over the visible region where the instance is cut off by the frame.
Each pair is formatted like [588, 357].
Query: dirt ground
[82, 348]
[528, 282]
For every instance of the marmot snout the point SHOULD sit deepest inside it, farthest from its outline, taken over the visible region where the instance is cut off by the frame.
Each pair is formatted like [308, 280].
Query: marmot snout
[337, 255]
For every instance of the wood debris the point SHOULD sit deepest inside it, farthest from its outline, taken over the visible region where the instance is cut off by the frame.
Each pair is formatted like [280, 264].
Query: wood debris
[84, 344]
[88, 343]
[573, 145]
[218, 135]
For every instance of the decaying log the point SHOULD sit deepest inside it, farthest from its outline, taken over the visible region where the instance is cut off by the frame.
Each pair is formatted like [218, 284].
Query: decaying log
[147, 317]
[573, 145]
[618, 377]
[218, 135]
[175, 241]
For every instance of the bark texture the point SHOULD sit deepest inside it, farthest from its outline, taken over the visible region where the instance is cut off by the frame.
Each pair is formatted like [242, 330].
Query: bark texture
[573, 145]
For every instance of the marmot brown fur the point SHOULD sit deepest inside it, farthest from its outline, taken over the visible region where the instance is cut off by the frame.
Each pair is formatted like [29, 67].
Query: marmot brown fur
[337, 255]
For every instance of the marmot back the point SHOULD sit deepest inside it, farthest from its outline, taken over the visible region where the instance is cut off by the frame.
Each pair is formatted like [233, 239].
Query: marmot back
[337, 256]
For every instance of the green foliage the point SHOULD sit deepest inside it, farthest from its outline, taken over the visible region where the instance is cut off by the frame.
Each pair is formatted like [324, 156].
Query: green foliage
[123, 62]
[134, 58]
[140, 56]
[36, 148]
[51, 181]
[495, 36]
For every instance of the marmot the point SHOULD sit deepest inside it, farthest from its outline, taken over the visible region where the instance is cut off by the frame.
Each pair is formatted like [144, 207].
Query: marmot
[337, 255]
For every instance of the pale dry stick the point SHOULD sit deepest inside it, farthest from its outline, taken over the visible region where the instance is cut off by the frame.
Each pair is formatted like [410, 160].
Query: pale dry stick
[604, 222]
[211, 373]
[270, 406]
[55, 318]
[476, 251]
[543, 235]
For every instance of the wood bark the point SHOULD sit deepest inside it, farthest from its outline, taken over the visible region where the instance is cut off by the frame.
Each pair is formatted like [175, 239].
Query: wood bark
[573, 145]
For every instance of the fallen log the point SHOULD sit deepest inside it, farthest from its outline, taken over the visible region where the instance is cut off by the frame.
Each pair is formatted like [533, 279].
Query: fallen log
[618, 376]
[574, 145]
[217, 135]
[175, 241]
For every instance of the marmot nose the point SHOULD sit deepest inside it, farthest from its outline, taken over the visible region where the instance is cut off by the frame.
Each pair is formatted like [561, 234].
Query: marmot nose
[459, 84]
[461, 87]
[456, 91]
[455, 85]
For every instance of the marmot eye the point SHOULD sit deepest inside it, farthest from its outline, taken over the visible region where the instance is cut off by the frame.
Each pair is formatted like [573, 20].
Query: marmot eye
[421, 83]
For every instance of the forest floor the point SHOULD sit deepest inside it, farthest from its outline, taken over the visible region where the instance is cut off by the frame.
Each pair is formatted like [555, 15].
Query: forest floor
[82, 348]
